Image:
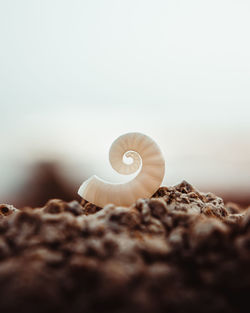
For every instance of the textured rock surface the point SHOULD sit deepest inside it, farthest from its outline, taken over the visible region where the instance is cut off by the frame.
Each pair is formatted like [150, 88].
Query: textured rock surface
[180, 251]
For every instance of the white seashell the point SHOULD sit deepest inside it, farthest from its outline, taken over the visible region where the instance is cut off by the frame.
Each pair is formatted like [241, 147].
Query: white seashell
[146, 154]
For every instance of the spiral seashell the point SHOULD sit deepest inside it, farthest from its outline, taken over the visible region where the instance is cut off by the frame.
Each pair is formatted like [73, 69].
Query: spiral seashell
[146, 156]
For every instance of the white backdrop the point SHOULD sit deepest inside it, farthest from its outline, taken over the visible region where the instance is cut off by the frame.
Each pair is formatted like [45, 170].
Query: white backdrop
[75, 74]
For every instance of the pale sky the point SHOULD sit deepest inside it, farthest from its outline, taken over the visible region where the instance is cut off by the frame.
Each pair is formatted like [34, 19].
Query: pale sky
[76, 74]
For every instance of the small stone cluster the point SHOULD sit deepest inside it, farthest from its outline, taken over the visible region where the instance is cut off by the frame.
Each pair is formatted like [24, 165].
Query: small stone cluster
[180, 251]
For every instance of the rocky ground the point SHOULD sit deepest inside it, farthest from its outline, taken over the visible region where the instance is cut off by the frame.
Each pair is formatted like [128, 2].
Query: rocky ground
[180, 251]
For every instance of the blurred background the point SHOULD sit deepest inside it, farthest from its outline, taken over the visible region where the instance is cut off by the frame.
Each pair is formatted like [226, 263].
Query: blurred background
[76, 74]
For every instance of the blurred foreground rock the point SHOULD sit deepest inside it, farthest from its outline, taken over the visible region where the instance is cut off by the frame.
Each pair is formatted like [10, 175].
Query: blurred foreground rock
[180, 251]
